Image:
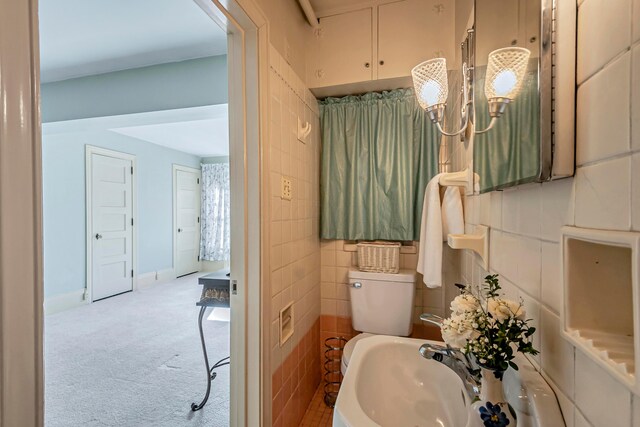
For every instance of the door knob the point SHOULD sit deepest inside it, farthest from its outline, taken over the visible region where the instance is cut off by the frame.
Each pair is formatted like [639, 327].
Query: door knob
[98, 236]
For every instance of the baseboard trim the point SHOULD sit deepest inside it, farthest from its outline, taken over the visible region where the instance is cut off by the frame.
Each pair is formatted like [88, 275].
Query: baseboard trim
[58, 303]
[155, 277]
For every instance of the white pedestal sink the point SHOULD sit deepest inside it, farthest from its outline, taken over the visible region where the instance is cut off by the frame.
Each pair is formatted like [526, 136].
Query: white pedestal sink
[388, 383]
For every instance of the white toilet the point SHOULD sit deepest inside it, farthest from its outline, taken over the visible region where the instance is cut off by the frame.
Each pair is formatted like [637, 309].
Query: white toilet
[381, 304]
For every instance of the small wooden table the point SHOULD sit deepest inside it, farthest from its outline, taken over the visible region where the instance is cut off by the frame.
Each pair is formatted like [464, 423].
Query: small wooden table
[215, 293]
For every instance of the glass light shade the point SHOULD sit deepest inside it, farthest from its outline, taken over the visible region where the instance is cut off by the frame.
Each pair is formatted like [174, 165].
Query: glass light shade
[430, 82]
[505, 72]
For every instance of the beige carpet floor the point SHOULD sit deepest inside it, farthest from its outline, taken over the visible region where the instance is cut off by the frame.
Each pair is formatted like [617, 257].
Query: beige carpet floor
[135, 360]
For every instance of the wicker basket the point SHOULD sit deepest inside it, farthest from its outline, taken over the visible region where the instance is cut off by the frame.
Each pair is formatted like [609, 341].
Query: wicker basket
[379, 257]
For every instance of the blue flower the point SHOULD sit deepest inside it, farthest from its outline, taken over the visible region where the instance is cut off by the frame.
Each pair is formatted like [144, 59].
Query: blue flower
[492, 416]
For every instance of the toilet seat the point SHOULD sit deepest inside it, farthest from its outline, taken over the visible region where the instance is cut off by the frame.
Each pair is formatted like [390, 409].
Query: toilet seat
[348, 350]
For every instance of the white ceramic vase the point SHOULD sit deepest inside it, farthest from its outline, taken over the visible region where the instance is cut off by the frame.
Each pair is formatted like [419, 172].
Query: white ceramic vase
[492, 410]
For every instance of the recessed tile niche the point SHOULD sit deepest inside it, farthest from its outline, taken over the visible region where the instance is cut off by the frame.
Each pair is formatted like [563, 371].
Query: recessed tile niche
[600, 275]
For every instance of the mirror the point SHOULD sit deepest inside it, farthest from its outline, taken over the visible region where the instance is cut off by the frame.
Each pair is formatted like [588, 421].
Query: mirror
[518, 149]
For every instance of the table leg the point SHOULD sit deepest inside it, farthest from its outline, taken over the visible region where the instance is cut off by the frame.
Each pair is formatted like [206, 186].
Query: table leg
[194, 406]
[210, 374]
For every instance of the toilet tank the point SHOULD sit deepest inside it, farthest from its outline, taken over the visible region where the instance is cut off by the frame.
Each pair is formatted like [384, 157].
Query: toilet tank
[382, 303]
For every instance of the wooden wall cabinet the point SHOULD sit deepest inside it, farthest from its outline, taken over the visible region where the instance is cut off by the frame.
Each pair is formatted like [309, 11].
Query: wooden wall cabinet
[381, 42]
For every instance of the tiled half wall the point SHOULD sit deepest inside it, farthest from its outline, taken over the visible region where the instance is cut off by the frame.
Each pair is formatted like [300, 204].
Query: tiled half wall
[294, 244]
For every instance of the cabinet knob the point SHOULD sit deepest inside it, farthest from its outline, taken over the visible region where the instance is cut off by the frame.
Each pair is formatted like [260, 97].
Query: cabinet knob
[319, 74]
[367, 65]
[381, 62]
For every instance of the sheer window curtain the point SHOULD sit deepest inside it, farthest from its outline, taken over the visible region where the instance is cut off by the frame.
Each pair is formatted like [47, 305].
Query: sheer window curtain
[215, 240]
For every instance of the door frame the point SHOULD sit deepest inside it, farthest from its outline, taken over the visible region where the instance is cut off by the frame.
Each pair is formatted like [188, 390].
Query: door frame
[21, 234]
[90, 150]
[248, 70]
[174, 168]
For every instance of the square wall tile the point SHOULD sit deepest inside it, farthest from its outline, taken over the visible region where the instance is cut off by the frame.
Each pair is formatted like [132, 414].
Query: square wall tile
[603, 400]
[557, 208]
[529, 266]
[636, 411]
[510, 201]
[533, 312]
[602, 195]
[566, 406]
[635, 191]
[496, 209]
[603, 32]
[635, 20]
[602, 113]
[557, 354]
[551, 286]
[635, 91]
[529, 210]
[580, 420]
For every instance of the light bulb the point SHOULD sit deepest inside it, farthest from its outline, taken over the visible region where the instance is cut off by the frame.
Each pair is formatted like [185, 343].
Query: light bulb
[430, 93]
[504, 82]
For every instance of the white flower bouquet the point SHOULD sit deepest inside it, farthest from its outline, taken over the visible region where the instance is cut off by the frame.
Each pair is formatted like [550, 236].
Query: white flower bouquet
[488, 326]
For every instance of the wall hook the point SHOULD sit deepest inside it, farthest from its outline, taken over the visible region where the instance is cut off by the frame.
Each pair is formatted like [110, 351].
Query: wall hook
[304, 130]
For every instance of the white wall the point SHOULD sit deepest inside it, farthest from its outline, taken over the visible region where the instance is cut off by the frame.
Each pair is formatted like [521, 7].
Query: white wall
[525, 222]
[63, 163]
[191, 83]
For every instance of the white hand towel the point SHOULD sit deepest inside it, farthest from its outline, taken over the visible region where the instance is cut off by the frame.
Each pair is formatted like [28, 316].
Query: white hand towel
[452, 216]
[430, 251]
[432, 228]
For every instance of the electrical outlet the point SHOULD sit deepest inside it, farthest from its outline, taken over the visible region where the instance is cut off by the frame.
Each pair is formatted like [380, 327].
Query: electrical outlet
[287, 190]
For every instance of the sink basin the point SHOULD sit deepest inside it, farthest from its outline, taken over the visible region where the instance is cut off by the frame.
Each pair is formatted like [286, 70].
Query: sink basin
[388, 383]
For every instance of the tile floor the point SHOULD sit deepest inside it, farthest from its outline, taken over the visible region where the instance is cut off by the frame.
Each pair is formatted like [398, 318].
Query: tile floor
[318, 414]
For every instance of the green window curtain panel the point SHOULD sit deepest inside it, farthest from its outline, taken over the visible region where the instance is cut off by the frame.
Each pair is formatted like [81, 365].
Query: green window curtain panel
[509, 154]
[379, 150]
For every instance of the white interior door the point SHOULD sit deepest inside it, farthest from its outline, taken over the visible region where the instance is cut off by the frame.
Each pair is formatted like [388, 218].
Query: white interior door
[186, 220]
[111, 223]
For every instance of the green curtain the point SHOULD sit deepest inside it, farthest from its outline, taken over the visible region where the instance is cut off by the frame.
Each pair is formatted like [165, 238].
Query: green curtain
[509, 154]
[379, 150]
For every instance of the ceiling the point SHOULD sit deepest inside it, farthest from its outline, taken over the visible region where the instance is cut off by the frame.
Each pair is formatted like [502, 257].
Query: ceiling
[80, 38]
[203, 138]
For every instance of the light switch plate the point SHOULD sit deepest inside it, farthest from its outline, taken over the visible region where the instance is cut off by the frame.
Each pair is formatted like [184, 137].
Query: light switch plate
[287, 190]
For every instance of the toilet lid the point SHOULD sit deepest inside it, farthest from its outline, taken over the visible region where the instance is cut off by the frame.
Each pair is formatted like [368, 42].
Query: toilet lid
[348, 348]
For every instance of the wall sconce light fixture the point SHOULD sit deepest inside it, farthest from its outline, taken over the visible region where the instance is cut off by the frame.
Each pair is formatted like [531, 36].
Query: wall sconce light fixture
[505, 73]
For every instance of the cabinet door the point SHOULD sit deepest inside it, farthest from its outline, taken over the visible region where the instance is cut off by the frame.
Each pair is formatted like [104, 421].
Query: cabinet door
[342, 50]
[412, 31]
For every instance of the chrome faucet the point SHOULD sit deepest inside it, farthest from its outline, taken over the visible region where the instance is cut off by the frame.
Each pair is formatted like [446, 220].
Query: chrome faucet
[464, 366]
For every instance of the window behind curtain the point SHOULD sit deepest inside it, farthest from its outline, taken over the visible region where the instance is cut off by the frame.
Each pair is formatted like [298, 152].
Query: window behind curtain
[215, 218]
[379, 150]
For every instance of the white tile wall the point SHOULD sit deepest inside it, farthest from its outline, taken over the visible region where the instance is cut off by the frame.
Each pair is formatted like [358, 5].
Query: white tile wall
[635, 191]
[557, 208]
[557, 353]
[294, 258]
[602, 124]
[635, 90]
[635, 23]
[551, 280]
[602, 400]
[605, 194]
[603, 32]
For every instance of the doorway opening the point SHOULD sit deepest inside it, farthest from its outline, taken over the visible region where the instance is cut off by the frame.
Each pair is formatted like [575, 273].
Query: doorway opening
[152, 121]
